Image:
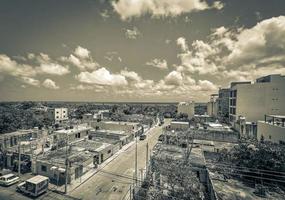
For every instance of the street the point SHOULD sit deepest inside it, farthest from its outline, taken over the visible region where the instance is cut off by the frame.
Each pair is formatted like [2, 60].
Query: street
[9, 193]
[115, 179]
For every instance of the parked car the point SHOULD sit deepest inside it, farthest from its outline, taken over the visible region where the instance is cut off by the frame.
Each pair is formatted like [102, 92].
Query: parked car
[34, 186]
[142, 137]
[5, 172]
[8, 179]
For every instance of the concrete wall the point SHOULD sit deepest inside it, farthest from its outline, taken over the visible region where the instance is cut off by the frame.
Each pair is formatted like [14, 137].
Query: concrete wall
[270, 132]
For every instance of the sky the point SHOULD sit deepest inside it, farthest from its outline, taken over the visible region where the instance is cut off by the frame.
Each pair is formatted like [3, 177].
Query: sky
[136, 50]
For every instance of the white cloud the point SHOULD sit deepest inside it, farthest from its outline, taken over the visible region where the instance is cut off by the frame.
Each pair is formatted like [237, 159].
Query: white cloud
[81, 52]
[105, 14]
[131, 75]
[53, 69]
[11, 67]
[31, 81]
[181, 41]
[102, 77]
[81, 59]
[174, 78]
[158, 63]
[132, 33]
[160, 8]
[50, 84]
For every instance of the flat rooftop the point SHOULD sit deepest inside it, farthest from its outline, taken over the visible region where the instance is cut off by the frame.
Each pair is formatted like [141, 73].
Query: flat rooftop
[180, 122]
[120, 122]
[76, 129]
[18, 133]
[37, 179]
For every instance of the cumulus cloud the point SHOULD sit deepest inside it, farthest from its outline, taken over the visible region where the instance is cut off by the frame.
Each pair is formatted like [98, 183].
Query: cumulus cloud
[158, 63]
[161, 8]
[31, 81]
[11, 67]
[237, 53]
[181, 41]
[50, 84]
[133, 76]
[81, 52]
[102, 77]
[174, 78]
[132, 33]
[53, 69]
[81, 58]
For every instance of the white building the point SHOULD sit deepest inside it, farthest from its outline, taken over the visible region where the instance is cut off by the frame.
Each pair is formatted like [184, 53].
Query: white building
[59, 115]
[212, 106]
[272, 128]
[186, 108]
[253, 100]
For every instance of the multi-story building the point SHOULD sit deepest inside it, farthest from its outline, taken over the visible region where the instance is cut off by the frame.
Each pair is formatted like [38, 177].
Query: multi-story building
[212, 106]
[186, 108]
[223, 104]
[59, 115]
[249, 102]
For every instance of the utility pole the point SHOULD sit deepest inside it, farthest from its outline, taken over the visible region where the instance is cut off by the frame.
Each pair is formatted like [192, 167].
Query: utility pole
[66, 164]
[136, 161]
[146, 158]
[19, 158]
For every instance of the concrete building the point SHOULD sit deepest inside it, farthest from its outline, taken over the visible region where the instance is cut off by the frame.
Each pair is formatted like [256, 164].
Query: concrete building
[253, 101]
[87, 118]
[186, 108]
[177, 125]
[75, 133]
[131, 127]
[223, 104]
[81, 157]
[272, 128]
[212, 106]
[59, 115]
[9, 140]
[121, 136]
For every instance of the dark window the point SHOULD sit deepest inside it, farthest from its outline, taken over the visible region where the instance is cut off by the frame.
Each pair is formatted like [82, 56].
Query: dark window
[44, 168]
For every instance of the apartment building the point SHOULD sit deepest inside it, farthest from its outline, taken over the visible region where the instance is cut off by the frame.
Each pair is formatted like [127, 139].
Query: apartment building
[186, 108]
[59, 115]
[223, 104]
[249, 102]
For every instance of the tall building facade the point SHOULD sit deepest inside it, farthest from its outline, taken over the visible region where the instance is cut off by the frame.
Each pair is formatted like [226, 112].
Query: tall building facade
[223, 104]
[249, 102]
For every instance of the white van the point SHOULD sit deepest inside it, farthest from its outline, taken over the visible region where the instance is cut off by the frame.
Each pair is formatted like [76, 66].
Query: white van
[8, 179]
[34, 186]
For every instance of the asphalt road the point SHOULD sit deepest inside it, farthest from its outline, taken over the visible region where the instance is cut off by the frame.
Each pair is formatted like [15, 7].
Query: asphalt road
[9, 193]
[111, 183]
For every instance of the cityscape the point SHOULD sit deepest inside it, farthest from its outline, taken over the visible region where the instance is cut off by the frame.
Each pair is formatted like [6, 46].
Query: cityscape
[142, 100]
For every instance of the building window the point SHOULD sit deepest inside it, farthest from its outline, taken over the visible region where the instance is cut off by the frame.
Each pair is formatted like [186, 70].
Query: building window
[109, 151]
[44, 168]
